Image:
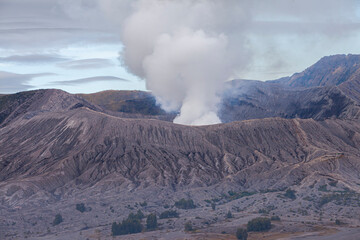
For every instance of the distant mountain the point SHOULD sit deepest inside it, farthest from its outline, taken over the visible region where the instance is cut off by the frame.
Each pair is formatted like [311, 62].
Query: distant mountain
[245, 100]
[328, 89]
[328, 71]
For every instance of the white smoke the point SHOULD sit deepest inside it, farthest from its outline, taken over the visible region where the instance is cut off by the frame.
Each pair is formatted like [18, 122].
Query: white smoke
[185, 49]
[176, 46]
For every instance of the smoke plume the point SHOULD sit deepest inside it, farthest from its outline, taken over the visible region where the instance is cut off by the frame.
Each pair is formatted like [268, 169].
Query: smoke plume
[186, 49]
[183, 53]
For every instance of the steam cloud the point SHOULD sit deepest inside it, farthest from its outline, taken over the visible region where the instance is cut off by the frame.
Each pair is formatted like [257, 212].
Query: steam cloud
[178, 48]
[186, 49]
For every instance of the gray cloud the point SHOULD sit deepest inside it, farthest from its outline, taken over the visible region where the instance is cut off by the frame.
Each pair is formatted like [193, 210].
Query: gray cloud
[52, 37]
[33, 58]
[38, 24]
[14, 82]
[89, 80]
[87, 63]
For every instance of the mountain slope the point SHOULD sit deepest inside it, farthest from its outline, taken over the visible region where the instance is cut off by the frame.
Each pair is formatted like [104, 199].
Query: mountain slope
[63, 151]
[254, 100]
[328, 71]
[58, 151]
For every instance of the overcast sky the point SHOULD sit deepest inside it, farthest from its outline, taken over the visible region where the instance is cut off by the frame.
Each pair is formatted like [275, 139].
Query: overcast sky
[78, 45]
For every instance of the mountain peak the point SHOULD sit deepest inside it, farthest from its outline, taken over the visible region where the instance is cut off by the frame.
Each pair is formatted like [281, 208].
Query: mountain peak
[328, 71]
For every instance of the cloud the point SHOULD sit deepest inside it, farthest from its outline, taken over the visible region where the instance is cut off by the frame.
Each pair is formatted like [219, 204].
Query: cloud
[87, 63]
[89, 80]
[33, 58]
[14, 82]
[53, 37]
[39, 24]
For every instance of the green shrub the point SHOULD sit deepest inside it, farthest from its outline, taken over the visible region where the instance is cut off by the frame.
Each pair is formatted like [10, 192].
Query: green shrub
[151, 222]
[290, 194]
[185, 204]
[241, 234]
[213, 206]
[259, 224]
[188, 226]
[338, 222]
[143, 204]
[80, 207]
[58, 219]
[169, 214]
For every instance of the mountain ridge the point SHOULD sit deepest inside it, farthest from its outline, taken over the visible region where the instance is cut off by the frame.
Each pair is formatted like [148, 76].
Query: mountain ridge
[60, 150]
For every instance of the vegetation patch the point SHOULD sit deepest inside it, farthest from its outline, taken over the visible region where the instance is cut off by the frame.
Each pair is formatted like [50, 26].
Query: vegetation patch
[259, 224]
[127, 226]
[80, 207]
[345, 198]
[236, 195]
[188, 227]
[169, 214]
[151, 222]
[229, 215]
[241, 234]
[275, 218]
[267, 209]
[58, 219]
[290, 194]
[185, 204]
[138, 215]
[323, 188]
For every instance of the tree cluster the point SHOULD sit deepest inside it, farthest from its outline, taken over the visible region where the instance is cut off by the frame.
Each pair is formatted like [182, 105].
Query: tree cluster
[127, 226]
[259, 224]
[133, 224]
[151, 222]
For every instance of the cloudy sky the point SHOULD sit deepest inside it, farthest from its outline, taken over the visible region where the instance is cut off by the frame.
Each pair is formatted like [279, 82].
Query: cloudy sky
[93, 45]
